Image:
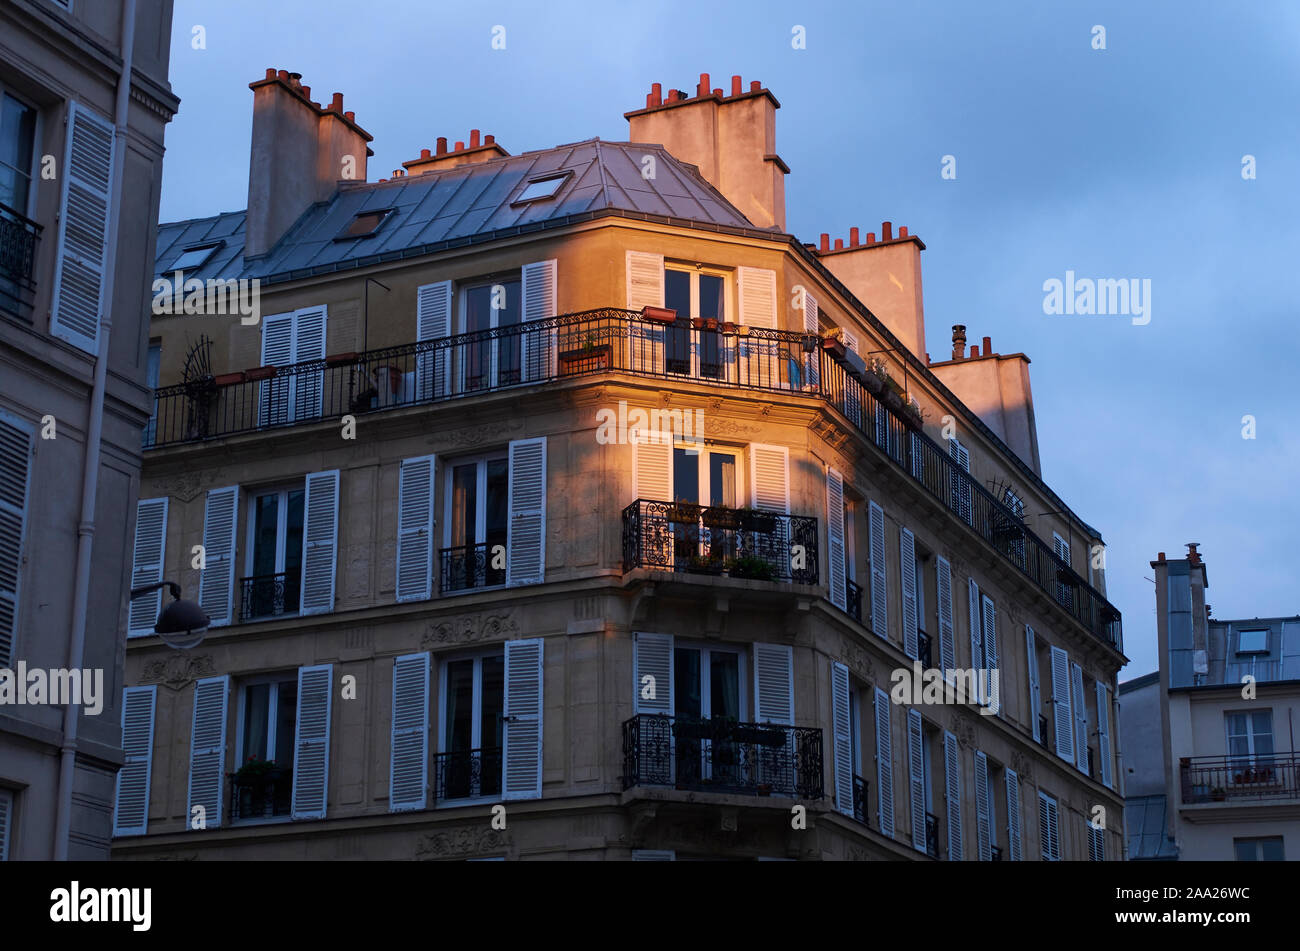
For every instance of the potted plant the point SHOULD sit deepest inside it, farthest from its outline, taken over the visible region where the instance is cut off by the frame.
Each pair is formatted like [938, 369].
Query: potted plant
[257, 772]
[590, 354]
[718, 517]
[875, 376]
[704, 323]
[748, 566]
[729, 327]
[684, 513]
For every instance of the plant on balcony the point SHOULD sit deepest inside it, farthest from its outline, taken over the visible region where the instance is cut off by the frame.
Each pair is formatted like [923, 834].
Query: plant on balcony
[717, 517]
[684, 513]
[1218, 794]
[748, 566]
[707, 564]
[257, 772]
[758, 521]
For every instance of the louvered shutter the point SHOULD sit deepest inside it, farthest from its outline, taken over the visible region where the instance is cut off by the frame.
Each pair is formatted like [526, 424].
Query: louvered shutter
[879, 595]
[812, 325]
[6, 821]
[217, 580]
[415, 488]
[835, 538]
[1062, 548]
[208, 751]
[1080, 711]
[907, 568]
[652, 481]
[1014, 845]
[952, 786]
[80, 260]
[1048, 829]
[311, 759]
[1035, 693]
[884, 765]
[982, 810]
[308, 346]
[852, 390]
[841, 721]
[989, 617]
[1062, 718]
[916, 777]
[773, 683]
[943, 585]
[526, 529]
[522, 753]
[653, 658]
[433, 323]
[760, 357]
[961, 490]
[276, 396]
[645, 288]
[131, 813]
[1103, 733]
[539, 291]
[16, 451]
[770, 477]
[1096, 842]
[147, 564]
[976, 641]
[320, 542]
[408, 776]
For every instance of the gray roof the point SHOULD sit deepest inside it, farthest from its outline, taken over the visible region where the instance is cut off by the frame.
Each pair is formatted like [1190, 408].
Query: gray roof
[1144, 826]
[458, 205]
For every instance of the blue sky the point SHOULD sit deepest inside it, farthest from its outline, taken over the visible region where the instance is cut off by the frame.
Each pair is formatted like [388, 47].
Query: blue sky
[1116, 163]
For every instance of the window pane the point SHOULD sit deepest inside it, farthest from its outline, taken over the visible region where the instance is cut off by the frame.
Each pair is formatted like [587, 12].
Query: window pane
[256, 712]
[686, 681]
[495, 515]
[711, 301]
[722, 479]
[460, 706]
[478, 354]
[677, 340]
[1271, 849]
[724, 685]
[493, 704]
[1262, 723]
[286, 718]
[1245, 849]
[17, 133]
[266, 523]
[509, 347]
[464, 504]
[677, 292]
[293, 530]
[686, 475]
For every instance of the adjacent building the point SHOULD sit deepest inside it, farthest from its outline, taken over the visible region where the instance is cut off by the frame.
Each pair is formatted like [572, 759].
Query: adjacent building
[570, 482]
[1214, 731]
[84, 99]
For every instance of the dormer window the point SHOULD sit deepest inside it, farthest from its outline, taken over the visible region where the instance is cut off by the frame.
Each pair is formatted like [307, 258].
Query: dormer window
[540, 189]
[194, 257]
[364, 224]
[1252, 642]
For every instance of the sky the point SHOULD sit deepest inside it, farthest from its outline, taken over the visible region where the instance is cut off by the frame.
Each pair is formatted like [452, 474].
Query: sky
[1118, 163]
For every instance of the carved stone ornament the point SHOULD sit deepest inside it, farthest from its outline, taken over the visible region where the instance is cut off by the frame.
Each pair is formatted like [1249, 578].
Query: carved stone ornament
[469, 627]
[964, 730]
[1023, 765]
[178, 670]
[184, 488]
[468, 840]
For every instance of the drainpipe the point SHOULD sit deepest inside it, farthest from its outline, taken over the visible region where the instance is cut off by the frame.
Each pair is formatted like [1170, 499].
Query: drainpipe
[94, 433]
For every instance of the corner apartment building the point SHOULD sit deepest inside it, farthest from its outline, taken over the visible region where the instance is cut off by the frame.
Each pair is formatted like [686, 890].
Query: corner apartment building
[84, 99]
[1228, 696]
[446, 572]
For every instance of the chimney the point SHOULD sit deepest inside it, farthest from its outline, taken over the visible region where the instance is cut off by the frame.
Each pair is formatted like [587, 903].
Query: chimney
[299, 154]
[886, 276]
[730, 138]
[482, 148]
[958, 341]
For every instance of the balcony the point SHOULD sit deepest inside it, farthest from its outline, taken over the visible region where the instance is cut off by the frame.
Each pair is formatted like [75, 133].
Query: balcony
[860, 786]
[261, 795]
[723, 756]
[467, 774]
[267, 596]
[713, 540]
[19, 236]
[470, 566]
[1240, 778]
[853, 600]
[932, 835]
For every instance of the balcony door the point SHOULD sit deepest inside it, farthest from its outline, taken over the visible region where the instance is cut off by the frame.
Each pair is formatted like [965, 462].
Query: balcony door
[273, 582]
[474, 702]
[707, 692]
[478, 492]
[491, 361]
[708, 477]
[695, 294]
[268, 716]
[1250, 745]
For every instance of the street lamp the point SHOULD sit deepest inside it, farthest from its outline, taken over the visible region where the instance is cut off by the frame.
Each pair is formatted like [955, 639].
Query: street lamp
[181, 624]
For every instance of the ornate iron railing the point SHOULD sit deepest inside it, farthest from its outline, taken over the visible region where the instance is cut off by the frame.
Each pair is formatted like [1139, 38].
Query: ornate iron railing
[472, 566]
[853, 600]
[931, 835]
[261, 797]
[721, 755]
[860, 787]
[264, 596]
[467, 774]
[712, 540]
[18, 239]
[1237, 778]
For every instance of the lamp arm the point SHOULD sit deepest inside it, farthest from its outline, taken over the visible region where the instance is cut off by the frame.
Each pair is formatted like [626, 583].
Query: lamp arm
[172, 586]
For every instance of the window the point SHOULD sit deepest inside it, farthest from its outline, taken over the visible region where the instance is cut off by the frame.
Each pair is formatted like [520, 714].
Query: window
[17, 144]
[152, 365]
[1264, 849]
[1011, 532]
[1250, 741]
[363, 225]
[477, 496]
[540, 189]
[268, 718]
[1048, 828]
[273, 559]
[1096, 842]
[1064, 590]
[707, 685]
[194, 257]
[6, 822]
[695, 294]
[469, 764]
[1252, 642]
[960, 484]
[490, 304]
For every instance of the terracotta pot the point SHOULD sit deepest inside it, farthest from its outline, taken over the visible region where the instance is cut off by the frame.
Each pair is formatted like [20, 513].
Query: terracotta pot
[660, 315]
[228, 379]
[260, 373]
[833, 345]
[340, 359]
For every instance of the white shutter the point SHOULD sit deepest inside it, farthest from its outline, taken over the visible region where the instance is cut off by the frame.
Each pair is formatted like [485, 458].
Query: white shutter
[982, 807]
[1096, 842]
[1080, 710]
[309, 345]
[852, 390]
[770, 477]
[976, 643]
[275, 396]
[990, 630]
[952, 785]
[916, 777]
[539, 290]
[415, 489]
[6, 813]
[654, 855]
[1062, 548]
[884, 765]
[652, 471]
[841, 722]
[16, 451]
[961, 491]
[773, 683]
[645, 280]
[526, 528]
[522, 753]
[217, 580]
[80, 258]
[1035, 693]
[320, 542]
[432, 322]
[812, 325]
[907, 568]
[311, 758]
[1062, 718]
[1015, 848]
[835, 538]
[147, 564]
[761, 361]
[653, 658]
[408, 776]
[879, 596]
[1048, 828]
[1103, 733]
[208, 752]
[131, 813]
[943, 585]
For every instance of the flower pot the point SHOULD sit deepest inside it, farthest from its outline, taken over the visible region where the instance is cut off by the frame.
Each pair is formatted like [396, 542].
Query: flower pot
[684, 513]
[704, 323]
[833, 345]
[341, 359]
[729, 327]
[659, 315]
[720, 518]
[261, 373]
[228, 379]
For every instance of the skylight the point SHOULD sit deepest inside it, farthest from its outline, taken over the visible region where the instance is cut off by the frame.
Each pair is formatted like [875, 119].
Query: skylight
[363, 225]
[541, 188]
[194, 257]
[1252, 642]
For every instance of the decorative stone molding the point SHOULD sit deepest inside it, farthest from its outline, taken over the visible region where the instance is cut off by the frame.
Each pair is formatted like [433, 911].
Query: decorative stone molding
[858, 661]
[469, 627]
[964, 730]
[471, 436]
[728, 427]
[184, 488]
[468, 840]
[1023, 765]
[178, 670]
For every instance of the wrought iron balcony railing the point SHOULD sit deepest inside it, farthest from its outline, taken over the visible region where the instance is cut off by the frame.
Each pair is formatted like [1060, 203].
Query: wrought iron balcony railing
[264, 796]
[264, 596]
[1240, 778]
[722, 755]
[614, 340]
[467, 774]
[18, 238]
[470, 566]
[923, 650]
[853, 600]
[712, 540]
[860, 787]
[932, 835]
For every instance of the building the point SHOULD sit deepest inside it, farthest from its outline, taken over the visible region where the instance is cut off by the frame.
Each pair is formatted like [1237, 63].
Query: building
[1218, 741]
[448, 568]
[84, 99]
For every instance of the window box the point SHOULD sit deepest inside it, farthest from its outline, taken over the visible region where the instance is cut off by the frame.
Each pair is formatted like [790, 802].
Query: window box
[750, 567]
[834, 345]
[586, 359]
[683, 513]
[759, 522]
[720, 518]
[660, 315]
[341, 359]
[228, 379]
[707, 565]
[261, 373]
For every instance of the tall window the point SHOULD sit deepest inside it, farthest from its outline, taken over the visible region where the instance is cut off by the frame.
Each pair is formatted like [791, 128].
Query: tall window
[708, 477]
[707, 686]
[491, 305]
[1250, 738]
[474, 697]
[696, 295]
[268, 714]
[477, 502]
[17, 140]
[274, 553]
